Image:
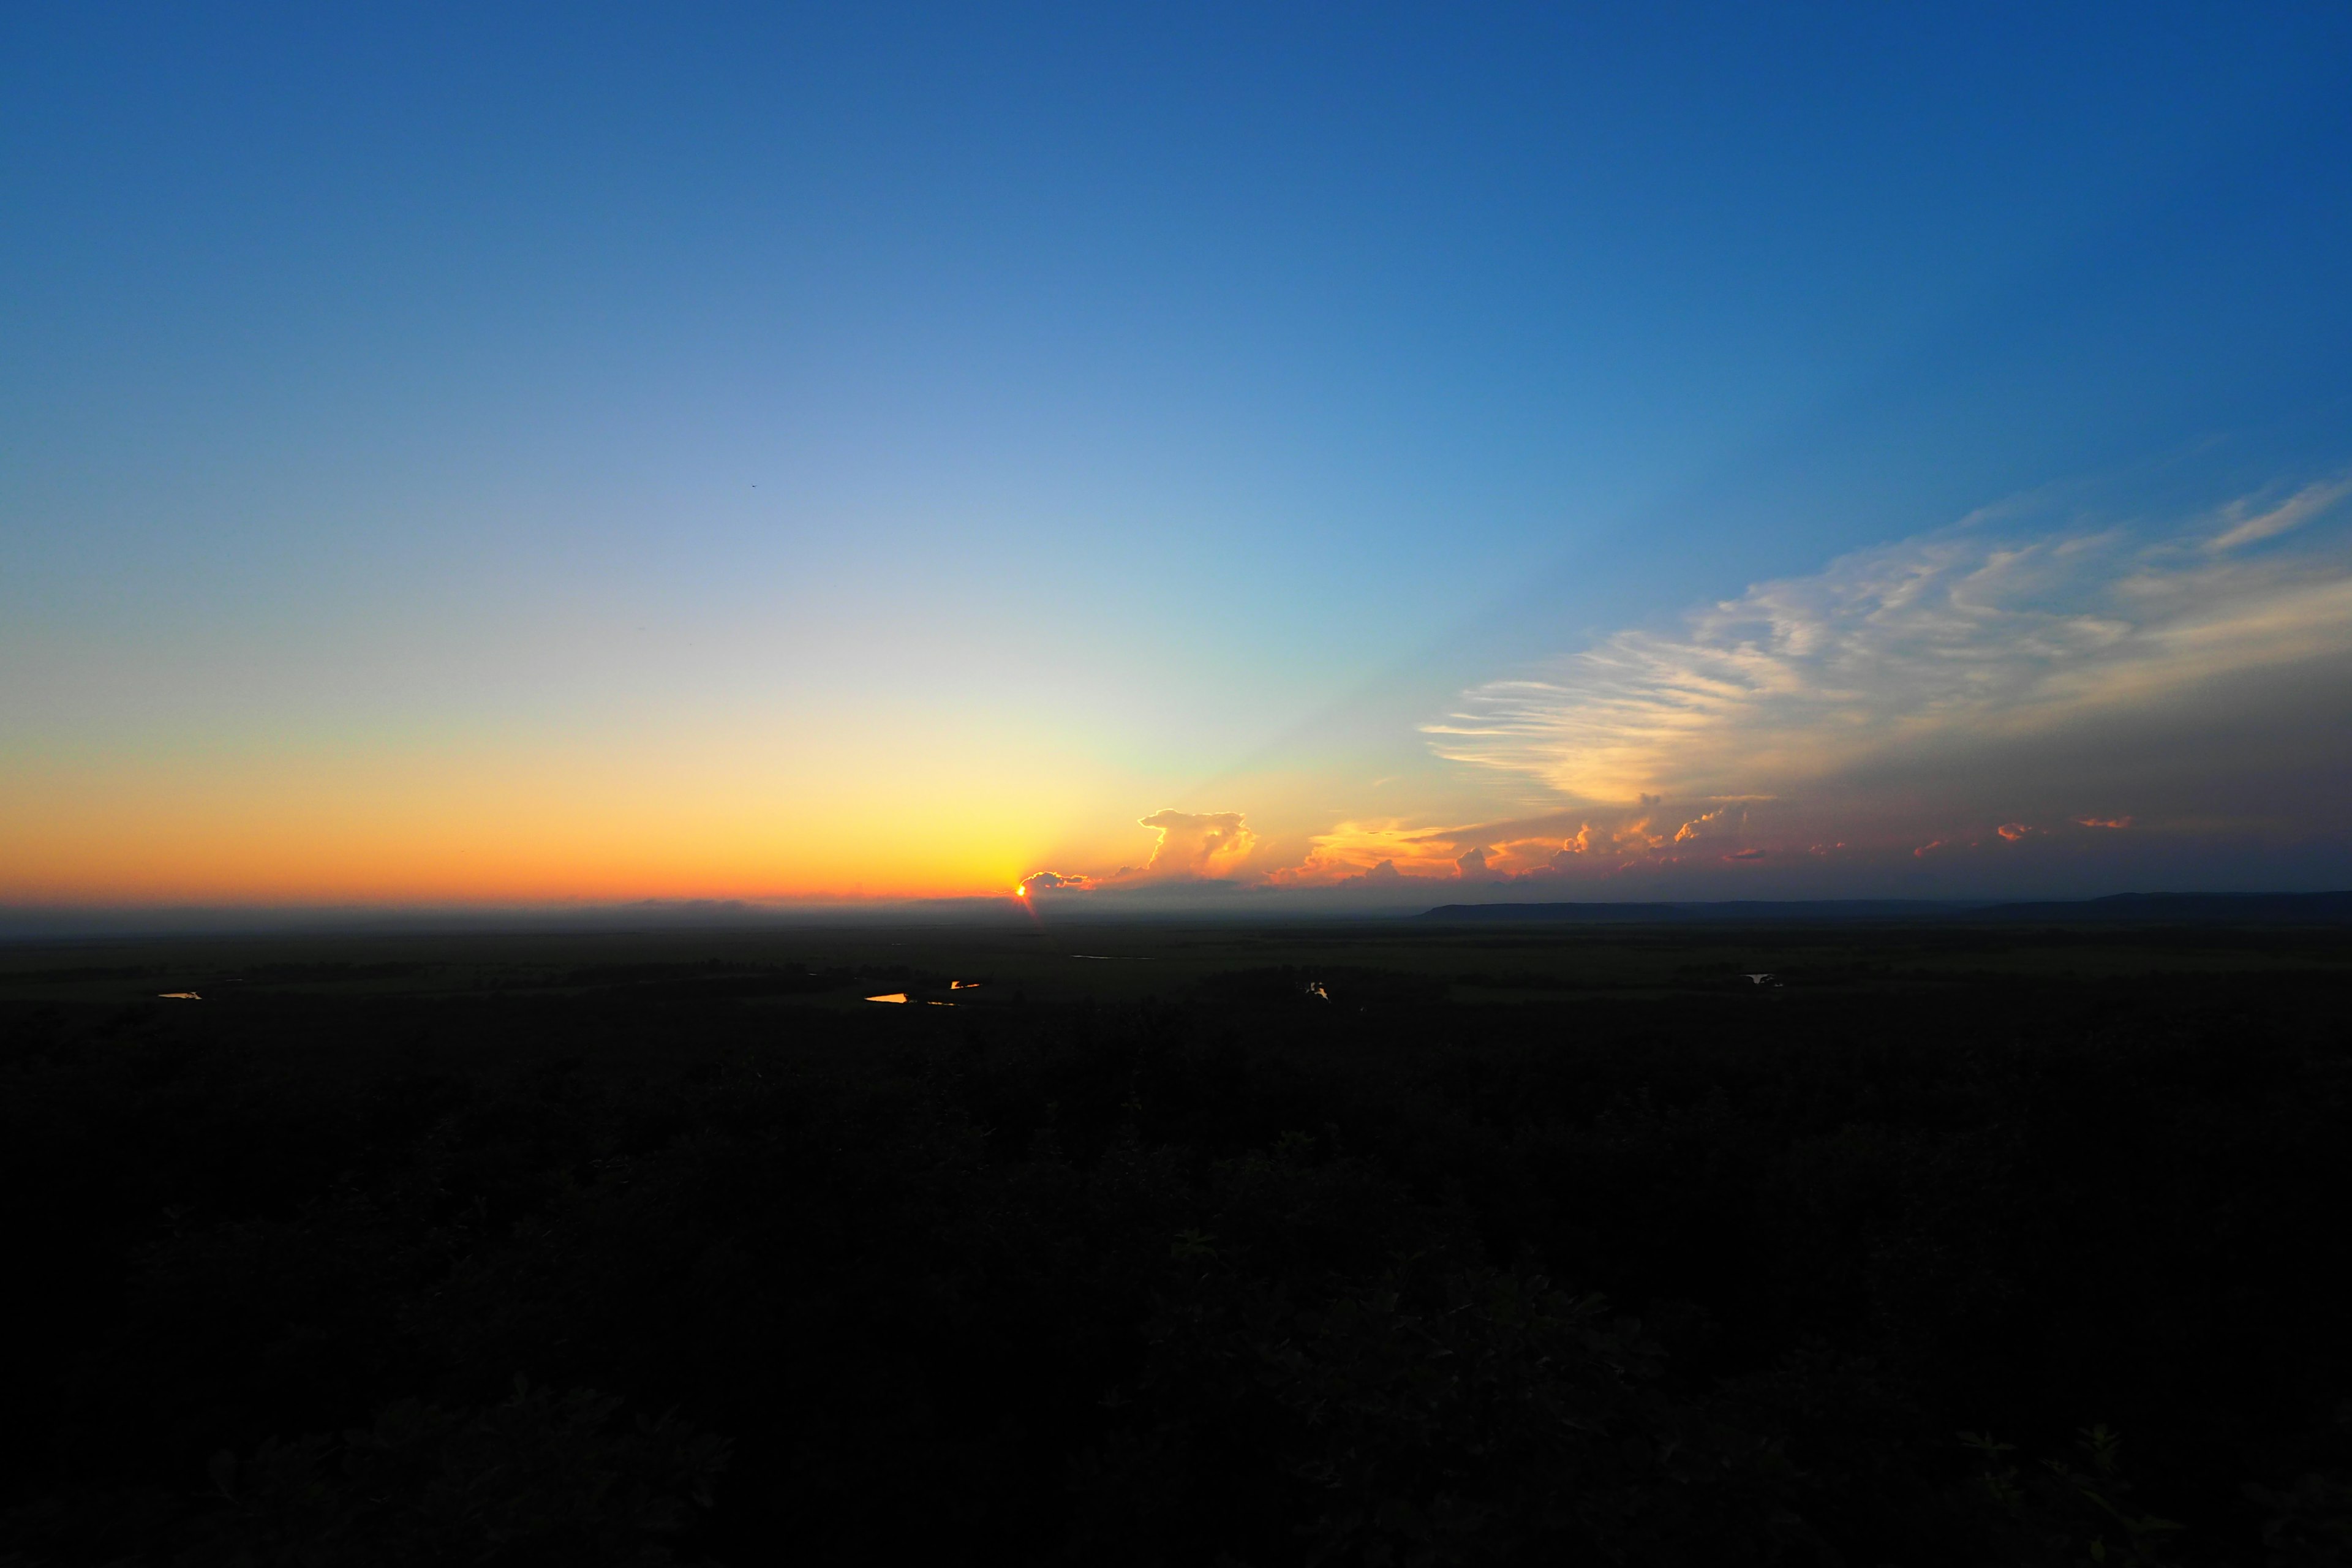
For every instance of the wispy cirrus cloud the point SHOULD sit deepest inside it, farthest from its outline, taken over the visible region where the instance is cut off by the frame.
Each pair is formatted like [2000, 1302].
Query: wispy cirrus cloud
[1942, 662]
[2250, 522]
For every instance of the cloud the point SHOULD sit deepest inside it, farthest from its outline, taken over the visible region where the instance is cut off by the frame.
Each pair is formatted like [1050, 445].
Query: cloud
[1198, 854]
[1983, 706]
[1712, 824]
[1528, 849]
[1353, 850]
[1195, 845]
[1383, 875]
[1957, 680]
[2247, 525]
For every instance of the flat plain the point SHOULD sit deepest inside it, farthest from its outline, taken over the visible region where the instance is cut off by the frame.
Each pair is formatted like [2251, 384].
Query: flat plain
[1181, 1242]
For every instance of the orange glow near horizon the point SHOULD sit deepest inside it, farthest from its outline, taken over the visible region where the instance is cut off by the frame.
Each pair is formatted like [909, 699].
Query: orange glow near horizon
[342, 832]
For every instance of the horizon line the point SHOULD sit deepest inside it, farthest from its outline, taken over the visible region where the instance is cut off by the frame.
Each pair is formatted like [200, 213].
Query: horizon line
[30, 922]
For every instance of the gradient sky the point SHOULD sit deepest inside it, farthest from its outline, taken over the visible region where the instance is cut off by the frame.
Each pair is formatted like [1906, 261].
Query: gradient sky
[498, 454]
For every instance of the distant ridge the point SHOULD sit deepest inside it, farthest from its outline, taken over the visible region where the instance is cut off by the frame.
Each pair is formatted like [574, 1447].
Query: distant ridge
[1724, 910]
[2265, 909]
[2164, 908]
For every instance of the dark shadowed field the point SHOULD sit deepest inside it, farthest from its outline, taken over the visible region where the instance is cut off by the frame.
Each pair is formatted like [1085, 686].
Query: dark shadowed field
[1385, 1242]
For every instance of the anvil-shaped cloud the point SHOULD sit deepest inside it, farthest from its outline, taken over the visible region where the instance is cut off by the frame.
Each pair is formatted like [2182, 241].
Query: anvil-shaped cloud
[1193, 847]
[1196, 843]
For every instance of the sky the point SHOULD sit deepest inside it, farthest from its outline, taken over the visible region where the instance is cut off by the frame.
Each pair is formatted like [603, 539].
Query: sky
[1295, 457]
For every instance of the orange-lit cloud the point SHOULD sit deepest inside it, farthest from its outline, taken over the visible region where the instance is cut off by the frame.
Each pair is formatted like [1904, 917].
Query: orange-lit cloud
[1509, 851]
[1714, 824]
[1197, 844]
[1191, 848]
[1553, 856]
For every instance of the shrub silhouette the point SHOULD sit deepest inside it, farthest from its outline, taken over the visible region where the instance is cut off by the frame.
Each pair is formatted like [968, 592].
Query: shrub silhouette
[541, 1478]
[1439, 1417]
[2076, 1508]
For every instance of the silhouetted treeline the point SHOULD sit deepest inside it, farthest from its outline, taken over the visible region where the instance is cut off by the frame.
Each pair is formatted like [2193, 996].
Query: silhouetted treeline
[676, 1270]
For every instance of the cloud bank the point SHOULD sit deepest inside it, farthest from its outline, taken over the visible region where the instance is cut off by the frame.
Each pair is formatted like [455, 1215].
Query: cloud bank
[1987, 705]
[1963, 670]
[2005, 705]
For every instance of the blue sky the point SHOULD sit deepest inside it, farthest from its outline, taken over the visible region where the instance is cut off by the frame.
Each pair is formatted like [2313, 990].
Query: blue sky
[521, 453]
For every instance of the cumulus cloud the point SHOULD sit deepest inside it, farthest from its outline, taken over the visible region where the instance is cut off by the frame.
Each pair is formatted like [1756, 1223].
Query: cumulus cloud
[1527, 849]
[1197, 844]
[1353, 850]
[1197, 853]
[1716, 824]
[1992, 669]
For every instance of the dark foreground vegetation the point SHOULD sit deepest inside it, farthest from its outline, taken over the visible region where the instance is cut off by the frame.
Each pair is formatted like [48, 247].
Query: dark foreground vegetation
[1503, 1246]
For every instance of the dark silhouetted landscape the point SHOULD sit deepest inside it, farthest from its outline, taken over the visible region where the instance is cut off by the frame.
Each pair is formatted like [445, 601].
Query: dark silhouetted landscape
[1951, 1241]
